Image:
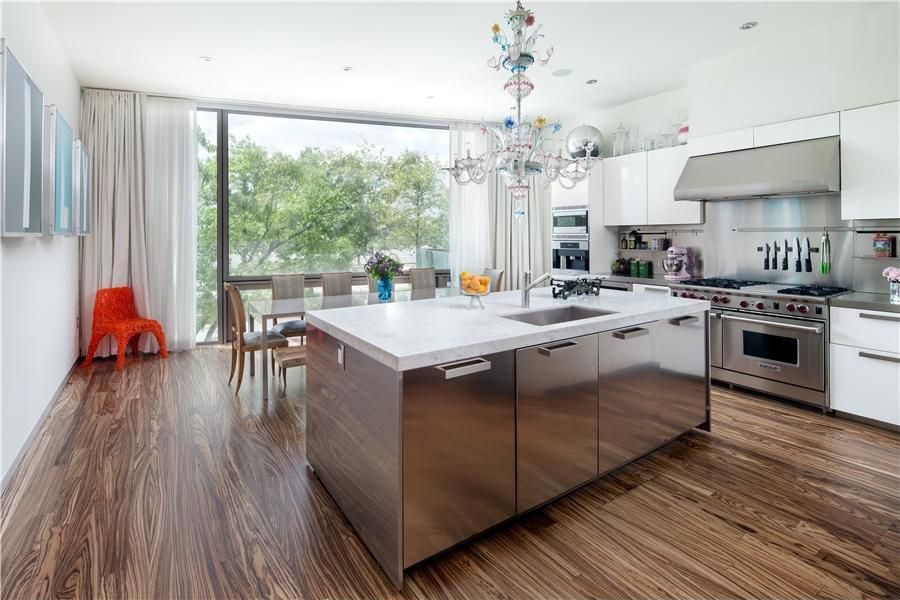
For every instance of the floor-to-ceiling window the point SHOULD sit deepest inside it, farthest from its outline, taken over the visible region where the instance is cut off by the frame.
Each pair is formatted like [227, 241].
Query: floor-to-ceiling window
[311, 195]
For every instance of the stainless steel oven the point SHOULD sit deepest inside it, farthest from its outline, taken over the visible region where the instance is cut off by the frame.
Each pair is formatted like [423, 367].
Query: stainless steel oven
[782, 350]
[570, 221]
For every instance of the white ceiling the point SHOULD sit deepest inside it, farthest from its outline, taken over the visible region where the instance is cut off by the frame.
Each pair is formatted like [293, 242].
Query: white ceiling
[293, 53]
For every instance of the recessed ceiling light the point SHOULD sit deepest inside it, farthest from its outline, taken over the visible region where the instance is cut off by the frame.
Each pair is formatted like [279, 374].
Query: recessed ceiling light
[347, 68]
[429, 97]
[591, 81]
[512, 107]
[561, 72]
[748, 25]
[207, 59]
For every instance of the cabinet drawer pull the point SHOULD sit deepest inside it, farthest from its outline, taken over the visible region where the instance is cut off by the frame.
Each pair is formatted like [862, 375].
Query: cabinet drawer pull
[863, 315]
[892, 359]
[465, 367]
[548, 350]
[678, 321]
[628, 334]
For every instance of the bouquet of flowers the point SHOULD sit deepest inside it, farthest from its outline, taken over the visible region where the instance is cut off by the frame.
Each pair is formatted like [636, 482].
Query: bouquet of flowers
[892, 274]
[383, 267]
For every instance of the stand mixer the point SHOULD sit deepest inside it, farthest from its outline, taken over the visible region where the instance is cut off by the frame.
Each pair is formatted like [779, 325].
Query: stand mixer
[678, 263]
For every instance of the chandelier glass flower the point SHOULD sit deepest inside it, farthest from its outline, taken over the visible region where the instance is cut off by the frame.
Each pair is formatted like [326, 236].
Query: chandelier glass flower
[517, 154]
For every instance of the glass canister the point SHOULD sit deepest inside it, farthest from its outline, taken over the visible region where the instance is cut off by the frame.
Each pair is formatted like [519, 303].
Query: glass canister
[620, 140]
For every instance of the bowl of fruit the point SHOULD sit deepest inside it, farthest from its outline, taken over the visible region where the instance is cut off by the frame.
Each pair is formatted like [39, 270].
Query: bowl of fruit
[474, 286]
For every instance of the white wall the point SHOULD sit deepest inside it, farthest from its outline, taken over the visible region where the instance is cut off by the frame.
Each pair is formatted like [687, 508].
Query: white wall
[39, 289]
[843, 64]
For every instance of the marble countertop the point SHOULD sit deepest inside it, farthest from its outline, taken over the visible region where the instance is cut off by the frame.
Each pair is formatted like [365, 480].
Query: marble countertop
[410, 335]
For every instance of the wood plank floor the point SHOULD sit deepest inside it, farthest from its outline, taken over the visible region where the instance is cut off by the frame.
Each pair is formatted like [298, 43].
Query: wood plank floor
[159, 483]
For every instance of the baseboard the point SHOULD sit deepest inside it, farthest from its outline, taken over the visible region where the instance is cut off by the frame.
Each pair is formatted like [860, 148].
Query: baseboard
[37, 426]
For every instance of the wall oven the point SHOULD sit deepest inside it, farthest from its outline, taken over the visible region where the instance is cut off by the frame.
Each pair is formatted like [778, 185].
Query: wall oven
[570, 221]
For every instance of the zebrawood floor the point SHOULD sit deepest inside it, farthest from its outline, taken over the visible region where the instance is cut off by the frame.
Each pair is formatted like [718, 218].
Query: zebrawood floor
[157, 483]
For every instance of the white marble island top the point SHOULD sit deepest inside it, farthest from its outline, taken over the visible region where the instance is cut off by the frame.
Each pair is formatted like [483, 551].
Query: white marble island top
[410, 335]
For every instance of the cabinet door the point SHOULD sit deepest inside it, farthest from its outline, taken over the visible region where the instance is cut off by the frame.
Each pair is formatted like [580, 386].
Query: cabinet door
[721, 142]
[625, 190]
[864, 383]
[664, 167]
[679, 346]
[629, 396]
[872, 329]
[556, 416]
[869, 162]
[797, 130]
[561, 197]
[459, 445]
[604, 240]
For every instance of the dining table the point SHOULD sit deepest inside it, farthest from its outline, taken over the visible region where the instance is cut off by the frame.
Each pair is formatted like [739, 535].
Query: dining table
[263, 310]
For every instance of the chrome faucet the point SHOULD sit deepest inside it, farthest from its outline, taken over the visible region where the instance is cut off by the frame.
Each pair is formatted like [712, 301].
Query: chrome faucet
[528, 285]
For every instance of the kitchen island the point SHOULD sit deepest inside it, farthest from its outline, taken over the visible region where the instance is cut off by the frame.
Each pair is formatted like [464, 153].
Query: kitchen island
[430, 422]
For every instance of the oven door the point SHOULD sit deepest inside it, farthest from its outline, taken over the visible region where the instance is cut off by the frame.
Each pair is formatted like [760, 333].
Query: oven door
[786, 350]
[569, 222]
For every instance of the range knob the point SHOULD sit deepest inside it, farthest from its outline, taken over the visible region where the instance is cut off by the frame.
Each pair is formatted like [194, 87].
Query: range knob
[744, 304]
[725, 299]
[760, 305]
[715, 298]
[692, 295]
[684, 294]
[803, 309]
[791, 308]
[702, 297]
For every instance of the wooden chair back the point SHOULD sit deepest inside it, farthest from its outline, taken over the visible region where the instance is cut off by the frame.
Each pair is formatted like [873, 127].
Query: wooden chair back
[288, 286]
[238, 316]
[337, 284]
[422, 279]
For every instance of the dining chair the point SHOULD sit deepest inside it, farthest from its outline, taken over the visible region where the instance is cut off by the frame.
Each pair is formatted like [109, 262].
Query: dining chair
[496, 278]
[289, 286]
[287, 358]
[243, 341]
[422, 279]
[337, 284]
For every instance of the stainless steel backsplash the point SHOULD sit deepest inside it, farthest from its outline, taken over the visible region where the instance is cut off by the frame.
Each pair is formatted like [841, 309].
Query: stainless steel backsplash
[727, 243]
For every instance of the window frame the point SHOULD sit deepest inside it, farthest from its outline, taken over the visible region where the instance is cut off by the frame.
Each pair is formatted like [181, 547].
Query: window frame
[223, 110]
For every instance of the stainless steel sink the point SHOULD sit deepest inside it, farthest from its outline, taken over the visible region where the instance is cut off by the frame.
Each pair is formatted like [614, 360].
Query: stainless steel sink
[564, 314]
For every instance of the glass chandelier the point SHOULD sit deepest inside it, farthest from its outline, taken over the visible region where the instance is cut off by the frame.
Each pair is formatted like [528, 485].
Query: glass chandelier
[517, 154]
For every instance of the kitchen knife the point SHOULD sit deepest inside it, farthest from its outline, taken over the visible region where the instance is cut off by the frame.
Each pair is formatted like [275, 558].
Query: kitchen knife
[798, 263]
[775, 255]
[766, 261]
[784, 261]
[807, 260]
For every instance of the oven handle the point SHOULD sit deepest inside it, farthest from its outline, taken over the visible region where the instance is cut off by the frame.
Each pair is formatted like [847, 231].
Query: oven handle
[817, 329]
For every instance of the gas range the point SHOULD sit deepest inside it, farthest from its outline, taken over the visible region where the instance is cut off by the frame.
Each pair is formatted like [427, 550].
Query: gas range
[759, 296]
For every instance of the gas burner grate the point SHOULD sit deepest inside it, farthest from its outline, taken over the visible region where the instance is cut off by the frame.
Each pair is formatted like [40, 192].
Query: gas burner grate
[721, 282]
[818, 291]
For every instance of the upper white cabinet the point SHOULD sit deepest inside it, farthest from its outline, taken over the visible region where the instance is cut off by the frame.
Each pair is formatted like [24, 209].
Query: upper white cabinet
[869, 162]
[810, 128]
[625, 189]
[664, 167]
[604, 240]
[577, 196]
[721, 142]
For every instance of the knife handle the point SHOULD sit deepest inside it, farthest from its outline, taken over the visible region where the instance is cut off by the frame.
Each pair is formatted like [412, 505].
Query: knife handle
[766, 264]
[808, 262]
[798, 265]
[784, 262]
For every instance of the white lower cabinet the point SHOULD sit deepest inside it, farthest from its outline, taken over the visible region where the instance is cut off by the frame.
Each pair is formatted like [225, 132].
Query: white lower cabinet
[866, 383]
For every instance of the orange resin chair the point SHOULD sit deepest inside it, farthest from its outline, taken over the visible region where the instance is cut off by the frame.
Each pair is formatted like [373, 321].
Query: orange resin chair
[116, 315]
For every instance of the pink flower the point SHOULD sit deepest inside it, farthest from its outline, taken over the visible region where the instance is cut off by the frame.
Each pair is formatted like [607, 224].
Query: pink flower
[892, 273]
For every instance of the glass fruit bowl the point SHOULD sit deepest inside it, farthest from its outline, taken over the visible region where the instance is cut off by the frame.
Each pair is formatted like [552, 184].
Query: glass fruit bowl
[474, 286]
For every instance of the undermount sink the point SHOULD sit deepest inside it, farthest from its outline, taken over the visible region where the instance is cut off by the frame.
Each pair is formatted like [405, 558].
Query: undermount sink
[551, 316]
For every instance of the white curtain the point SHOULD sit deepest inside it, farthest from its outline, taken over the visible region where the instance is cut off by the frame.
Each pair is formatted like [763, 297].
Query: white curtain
[142, 230]
[520, 243]
[470, 248]
[171, 211]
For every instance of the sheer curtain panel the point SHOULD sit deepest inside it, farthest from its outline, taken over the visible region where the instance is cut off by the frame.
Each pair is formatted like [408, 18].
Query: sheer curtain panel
[144, 172]
[470, 248]
[520, 243]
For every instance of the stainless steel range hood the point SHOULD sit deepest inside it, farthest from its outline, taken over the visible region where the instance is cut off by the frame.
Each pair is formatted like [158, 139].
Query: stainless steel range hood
[784, 170]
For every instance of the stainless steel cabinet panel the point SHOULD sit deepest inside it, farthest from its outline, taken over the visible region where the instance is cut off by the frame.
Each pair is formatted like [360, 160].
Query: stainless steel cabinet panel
[679, 347]
[629, 409]
[556, 417]
[459, 444]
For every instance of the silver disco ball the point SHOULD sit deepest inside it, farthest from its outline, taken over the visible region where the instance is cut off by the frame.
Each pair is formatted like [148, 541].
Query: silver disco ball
[584, 140]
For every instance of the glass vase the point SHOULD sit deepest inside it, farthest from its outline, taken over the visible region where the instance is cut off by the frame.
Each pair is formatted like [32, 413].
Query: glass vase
[895, 292]
[385, 289]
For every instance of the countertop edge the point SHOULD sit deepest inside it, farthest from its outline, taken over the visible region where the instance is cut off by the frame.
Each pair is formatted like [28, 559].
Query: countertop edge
[569, 330]
[865, 301]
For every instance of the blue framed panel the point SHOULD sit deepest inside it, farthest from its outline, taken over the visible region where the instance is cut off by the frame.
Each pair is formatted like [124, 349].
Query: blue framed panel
[22, 153]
